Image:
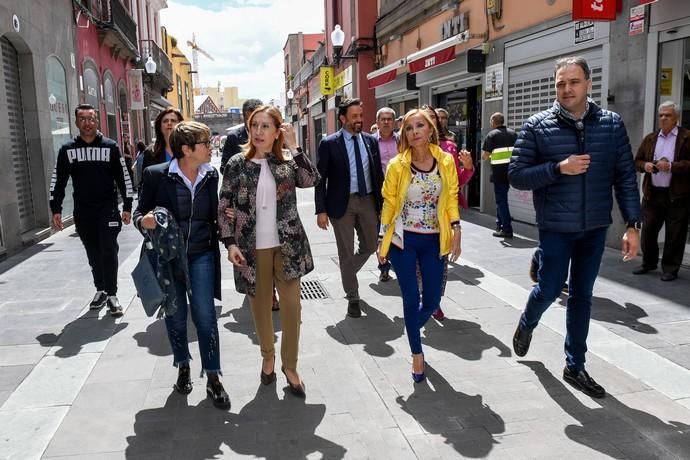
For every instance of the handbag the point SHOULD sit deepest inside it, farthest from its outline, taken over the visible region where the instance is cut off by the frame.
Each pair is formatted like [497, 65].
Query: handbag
[146, 283]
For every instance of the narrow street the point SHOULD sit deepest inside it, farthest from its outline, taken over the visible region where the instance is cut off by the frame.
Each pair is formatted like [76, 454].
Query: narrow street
[79, 384]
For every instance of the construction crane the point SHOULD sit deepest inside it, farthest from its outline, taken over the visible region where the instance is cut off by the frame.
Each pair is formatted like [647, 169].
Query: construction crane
[195, 60]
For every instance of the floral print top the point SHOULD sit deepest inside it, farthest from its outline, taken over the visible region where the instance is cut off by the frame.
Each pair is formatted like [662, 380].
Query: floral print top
[240, 181]
[419, 213]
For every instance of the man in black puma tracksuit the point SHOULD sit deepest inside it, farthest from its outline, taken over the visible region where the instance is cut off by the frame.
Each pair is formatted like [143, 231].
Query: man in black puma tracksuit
[97, 170]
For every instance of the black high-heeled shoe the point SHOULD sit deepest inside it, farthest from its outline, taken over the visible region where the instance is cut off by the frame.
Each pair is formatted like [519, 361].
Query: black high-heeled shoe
[184, 381]
[295, 389]
[217, 394]
[268, 379]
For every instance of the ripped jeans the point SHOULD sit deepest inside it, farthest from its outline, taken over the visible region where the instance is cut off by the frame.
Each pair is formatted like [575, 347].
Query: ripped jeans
[202, 275]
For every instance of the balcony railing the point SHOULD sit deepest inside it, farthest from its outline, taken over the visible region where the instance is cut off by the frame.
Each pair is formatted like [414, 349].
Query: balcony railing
[115, 24]
[163, 64]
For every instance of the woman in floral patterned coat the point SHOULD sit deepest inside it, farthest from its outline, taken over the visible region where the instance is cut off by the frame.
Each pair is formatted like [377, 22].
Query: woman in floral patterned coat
[265, 238]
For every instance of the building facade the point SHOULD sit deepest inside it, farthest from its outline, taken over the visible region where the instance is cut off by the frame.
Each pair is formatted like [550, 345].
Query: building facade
[182, 94]
[38, 93]
[225, 98]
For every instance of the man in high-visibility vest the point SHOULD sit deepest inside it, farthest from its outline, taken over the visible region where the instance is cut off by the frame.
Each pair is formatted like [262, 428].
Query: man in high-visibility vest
[498, 146]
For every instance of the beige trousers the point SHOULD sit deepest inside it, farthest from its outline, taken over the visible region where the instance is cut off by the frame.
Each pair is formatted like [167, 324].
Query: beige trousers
[269, 268]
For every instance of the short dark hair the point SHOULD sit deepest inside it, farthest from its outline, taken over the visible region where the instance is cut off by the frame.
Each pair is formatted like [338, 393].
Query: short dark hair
[83, 107]
[498, 119]
[249, 106]
[573, 60]
[346, 104]
[187, 133]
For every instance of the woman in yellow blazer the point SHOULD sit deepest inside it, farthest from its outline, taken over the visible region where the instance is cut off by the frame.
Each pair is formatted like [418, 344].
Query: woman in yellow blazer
[420, 223]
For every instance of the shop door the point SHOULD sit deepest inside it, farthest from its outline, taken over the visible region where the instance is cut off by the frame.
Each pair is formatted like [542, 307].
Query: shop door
[674, 84]
[17, 140]
[464, 121]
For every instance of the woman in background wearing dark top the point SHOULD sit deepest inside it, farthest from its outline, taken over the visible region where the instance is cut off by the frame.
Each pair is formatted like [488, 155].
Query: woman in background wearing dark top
[160, 151]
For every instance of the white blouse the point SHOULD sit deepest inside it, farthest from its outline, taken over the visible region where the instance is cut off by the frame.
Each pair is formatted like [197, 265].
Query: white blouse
[266, 219]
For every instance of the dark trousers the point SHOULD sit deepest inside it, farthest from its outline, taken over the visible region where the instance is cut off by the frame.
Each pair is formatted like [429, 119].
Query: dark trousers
[98, 232]
[583, 252]
[658, 210]
[419, 250]
[360, 217]
[503, 218]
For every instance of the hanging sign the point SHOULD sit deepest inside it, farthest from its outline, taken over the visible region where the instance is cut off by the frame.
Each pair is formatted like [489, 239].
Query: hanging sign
[136, 89]
[327, 80]
[594, 10]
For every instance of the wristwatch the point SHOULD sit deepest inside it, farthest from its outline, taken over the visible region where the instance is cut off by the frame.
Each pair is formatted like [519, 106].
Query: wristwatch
[636, 224]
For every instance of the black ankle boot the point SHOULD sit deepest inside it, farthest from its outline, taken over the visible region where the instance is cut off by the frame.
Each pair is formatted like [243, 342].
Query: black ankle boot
[184, 381]
[217, 394]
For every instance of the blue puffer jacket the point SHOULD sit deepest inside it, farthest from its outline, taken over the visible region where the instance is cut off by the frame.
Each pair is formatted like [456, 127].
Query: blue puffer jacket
[575, 203]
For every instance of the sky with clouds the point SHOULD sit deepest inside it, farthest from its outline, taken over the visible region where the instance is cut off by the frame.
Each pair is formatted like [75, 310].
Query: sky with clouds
[245, 38]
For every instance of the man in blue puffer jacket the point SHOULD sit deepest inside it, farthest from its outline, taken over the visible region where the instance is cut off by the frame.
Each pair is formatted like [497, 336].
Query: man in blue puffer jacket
[571, 156]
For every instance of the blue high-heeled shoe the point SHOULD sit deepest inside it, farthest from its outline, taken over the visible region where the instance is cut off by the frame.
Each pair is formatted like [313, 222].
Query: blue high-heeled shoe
[418, 378]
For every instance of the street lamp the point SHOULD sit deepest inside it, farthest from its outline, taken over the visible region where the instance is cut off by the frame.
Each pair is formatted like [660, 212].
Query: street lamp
[338, 39]
[150, 68]
[290, 94]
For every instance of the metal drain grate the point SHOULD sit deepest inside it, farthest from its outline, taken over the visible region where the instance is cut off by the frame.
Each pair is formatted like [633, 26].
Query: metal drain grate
[312, 290]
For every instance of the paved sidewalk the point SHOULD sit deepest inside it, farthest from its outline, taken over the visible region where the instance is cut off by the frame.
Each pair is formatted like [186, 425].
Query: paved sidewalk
[76, 384]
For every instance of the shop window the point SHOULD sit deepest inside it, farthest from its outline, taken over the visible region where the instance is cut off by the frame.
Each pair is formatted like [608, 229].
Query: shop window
[110, 107]
[91, 88]
[60, 124]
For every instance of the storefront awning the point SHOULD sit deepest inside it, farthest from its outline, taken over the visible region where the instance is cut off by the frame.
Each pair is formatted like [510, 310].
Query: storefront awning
[385, 74]
[437, 54]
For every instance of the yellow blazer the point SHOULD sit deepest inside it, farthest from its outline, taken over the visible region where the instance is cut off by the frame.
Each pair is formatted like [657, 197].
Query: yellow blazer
[394, 191]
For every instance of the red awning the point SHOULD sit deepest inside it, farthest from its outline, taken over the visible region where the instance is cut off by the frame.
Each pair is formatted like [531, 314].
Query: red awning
[432, 59]
[383, 78]
[385, 74]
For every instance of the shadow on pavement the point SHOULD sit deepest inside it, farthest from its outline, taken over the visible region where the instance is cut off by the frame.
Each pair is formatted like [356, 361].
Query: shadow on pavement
[88, 328]
[465, 273]
[388, 288]
[518, 243]
[466, 423]
[155, 339]
[464, 339]
[627, 315]
[156, 336]
[244, 323]
[633, 430]
[266, 427]
[23, 256]
[374, 332]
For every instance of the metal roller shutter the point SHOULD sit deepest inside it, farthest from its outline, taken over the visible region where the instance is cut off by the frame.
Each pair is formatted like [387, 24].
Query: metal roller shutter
[15, 109]
[530, 90]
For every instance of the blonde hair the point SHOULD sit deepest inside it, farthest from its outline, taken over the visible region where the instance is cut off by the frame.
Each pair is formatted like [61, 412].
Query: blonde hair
[404, 144]
[277, 148]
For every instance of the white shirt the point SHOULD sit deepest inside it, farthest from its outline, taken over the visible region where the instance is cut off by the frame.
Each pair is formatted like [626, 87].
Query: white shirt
[266, 217]
[201, 173]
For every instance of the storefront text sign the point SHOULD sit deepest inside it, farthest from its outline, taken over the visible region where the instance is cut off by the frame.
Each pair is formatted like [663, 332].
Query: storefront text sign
[343, 78]
[595, 10]
[432, 60]
[454, 25]
[136, 89]
[327, 80]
